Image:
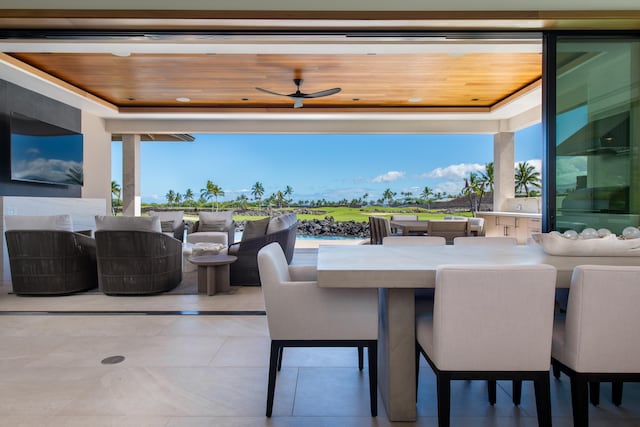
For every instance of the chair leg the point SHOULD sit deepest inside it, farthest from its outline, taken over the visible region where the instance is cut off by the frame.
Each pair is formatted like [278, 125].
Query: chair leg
[491, 389]
[579, 400]
[543, 399]
[417, 367]
[616, 392]
[594, 393]
[372, 354]
[444, 399]
[276, 350]
[556, 369]
[280, 356]
[516, 390]
[360, 357]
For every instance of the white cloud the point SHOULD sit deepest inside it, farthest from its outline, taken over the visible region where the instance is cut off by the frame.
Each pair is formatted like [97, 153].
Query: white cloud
[389, 176]
[458, 171]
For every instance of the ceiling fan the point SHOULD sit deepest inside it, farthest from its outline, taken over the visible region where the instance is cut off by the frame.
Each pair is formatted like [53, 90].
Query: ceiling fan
[299, 96]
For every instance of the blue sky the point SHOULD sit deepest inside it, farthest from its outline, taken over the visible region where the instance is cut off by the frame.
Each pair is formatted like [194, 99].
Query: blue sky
[332, 167]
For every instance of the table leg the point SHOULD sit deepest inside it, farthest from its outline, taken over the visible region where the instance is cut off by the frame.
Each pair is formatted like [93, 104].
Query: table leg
[222, 278]
[211, 280]
[396, 353]
[202, 279]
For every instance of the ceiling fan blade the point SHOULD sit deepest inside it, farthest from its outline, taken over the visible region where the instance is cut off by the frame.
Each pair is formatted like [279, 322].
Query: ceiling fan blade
[297, 102]
[271, 92]
[322, 93]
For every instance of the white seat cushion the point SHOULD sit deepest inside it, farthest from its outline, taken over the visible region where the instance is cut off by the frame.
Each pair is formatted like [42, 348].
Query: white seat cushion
[42, 222]
[128, 223]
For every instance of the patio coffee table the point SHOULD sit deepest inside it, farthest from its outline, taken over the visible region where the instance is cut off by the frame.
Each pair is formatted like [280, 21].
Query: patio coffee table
[213, 272]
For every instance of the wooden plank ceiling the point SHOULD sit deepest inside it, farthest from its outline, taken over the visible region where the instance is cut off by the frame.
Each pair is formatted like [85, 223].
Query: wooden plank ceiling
[219, 82]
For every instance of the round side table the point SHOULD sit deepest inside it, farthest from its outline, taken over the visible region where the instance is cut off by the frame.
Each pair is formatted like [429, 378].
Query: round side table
[213, 272]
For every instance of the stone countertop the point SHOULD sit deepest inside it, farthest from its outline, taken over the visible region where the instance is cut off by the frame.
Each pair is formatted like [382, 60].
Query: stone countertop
[513, 214]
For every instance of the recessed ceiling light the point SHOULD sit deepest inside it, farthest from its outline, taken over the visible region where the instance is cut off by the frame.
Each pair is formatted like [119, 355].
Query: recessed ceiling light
[475, 99]
[245, 99]
[355, 99]
[415, 99]
[123, 53]
[183, 99]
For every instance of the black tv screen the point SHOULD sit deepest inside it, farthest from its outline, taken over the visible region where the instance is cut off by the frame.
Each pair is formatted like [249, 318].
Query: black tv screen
[42, 152]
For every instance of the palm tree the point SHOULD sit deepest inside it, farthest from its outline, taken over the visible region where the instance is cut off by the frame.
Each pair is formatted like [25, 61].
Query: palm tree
[388, 195]
[188, 197]
[177, 199]
[487, 177]
[171, 197]
[288, 191]
[474, 190]
[211, 190]
[527, 176]
[426, 194]
[115, 191]
[279, 198]
[257, 191]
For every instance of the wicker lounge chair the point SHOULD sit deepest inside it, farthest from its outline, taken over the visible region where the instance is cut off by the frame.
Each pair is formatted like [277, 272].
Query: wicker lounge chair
[137, 262]
[51, 262]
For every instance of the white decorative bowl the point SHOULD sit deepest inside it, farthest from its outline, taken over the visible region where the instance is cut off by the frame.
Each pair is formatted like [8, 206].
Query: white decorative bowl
[555, 244]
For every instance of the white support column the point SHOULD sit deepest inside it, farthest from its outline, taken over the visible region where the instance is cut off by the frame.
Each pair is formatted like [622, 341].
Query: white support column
[97, 160]
[503, 169]
[131, 175]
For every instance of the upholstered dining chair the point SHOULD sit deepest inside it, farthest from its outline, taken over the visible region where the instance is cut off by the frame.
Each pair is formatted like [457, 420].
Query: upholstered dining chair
[301, 314]
[598, 340]
[449, 229]
[492, 323]
[414, 241]
[505, 241]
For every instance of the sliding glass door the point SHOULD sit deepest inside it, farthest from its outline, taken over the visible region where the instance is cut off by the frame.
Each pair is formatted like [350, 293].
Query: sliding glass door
[593, 132]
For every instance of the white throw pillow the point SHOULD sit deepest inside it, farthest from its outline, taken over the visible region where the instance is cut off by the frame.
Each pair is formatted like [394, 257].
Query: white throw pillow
[128, 223]
[280, 223]
[42, 222]
[175, 216]
[215, 221]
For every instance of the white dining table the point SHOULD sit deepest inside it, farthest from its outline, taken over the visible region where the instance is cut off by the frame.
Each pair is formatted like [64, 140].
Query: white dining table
[396, 271]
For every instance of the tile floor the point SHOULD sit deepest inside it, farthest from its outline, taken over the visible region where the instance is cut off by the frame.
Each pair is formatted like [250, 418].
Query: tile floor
[211, 370]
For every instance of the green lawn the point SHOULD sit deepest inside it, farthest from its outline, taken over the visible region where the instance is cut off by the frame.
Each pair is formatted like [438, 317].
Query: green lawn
[343, 214]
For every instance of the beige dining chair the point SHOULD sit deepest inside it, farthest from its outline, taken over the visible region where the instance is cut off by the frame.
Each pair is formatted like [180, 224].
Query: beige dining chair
[414, 241]
[449, 229]
[379, 228]
[301, 314]
[484, 240]
[598, 340]
[402, 218]
[472, 336]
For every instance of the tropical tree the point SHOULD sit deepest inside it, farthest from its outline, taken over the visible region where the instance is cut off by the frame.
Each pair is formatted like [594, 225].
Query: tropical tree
[474, 190]
[211, 190]
[116, 191]
[188, 197]
[242, 200]
[526, 177]
[171, 197]
[177, 199]
[388, 195]
[288, 191]
[279, 198]
[426, 196]
[487, 177]
[257, 190]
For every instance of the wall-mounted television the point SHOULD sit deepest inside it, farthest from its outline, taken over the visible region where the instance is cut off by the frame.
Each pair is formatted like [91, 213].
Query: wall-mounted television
[42, 152]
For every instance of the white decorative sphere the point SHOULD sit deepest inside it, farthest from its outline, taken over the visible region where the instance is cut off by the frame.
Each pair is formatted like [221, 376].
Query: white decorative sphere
[570, 234]
[602, 232]
[555, 233]
[589, 233]
[631, 233]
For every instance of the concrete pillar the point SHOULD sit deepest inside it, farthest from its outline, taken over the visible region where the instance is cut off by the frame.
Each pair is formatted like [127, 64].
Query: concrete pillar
[503, 169]
[131, 175]
[97, 160]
